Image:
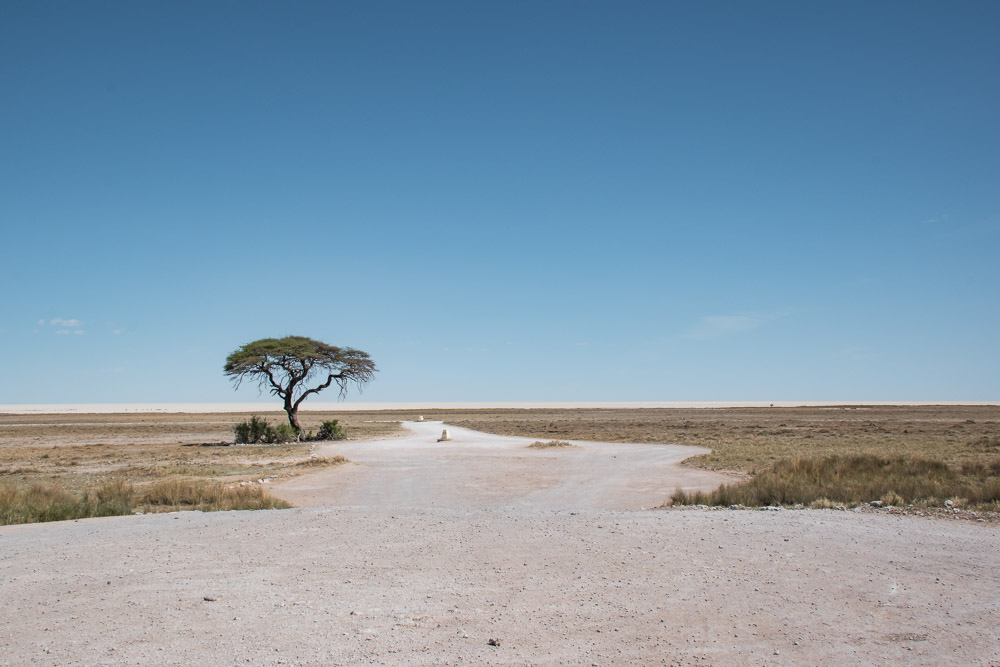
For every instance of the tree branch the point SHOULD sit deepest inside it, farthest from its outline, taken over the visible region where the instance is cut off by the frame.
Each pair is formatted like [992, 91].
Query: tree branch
[278, 389]
[315, 390]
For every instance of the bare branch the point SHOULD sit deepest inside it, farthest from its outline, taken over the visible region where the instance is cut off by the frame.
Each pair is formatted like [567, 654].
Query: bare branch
[315, 390]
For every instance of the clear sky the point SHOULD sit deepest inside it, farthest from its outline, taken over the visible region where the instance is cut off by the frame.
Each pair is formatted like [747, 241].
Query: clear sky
[504, 201]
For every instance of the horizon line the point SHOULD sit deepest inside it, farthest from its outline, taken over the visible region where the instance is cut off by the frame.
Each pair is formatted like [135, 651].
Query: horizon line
[208, 407]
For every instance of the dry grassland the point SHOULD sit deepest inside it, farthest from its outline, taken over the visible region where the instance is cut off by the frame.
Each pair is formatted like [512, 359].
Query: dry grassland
[823, 457]
[81, 452]
[749, 439]
[170, 461]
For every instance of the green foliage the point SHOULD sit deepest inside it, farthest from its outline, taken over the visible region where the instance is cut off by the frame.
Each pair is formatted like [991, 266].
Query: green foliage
[295, 367]
[257, 431]
[284, 365]
[282, 433]
[251, 432]
[853, 480]
[331, 430]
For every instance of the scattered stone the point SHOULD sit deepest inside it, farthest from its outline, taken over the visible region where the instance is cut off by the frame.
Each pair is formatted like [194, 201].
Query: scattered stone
[949, 503]
[209, 598]
[876, 503]
[493, 642]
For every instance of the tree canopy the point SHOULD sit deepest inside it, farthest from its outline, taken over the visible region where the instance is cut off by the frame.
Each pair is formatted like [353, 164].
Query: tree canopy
[295, 367]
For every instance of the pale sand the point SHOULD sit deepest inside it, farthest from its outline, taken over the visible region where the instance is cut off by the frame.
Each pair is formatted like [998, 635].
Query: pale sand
[552, 575]
[349, 586]
[485, 471]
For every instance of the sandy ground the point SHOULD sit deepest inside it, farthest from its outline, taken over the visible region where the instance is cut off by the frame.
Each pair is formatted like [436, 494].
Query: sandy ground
[479, 470]
[533, 556]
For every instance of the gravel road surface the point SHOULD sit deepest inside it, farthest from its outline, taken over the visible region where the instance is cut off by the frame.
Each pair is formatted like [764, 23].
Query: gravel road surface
[541, 576]
[480, 470]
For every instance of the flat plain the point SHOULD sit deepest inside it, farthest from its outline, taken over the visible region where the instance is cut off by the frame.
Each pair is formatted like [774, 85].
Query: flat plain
[741, 439]
[79, 451]
[506, 580]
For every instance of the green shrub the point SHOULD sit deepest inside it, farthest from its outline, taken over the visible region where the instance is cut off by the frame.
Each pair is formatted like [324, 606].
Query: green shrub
[281, 433]
[257, 431]
[252, 432]
[331, 430]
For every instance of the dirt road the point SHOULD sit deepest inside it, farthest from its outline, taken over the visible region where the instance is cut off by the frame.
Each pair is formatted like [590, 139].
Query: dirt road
[480, 470]
[499, 567]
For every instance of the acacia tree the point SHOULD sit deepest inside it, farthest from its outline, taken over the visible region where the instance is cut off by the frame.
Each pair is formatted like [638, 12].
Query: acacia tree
[287, 367]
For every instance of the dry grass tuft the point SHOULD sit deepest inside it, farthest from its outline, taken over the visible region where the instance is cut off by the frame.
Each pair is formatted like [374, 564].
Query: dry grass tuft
[40, 502]
[176, 494]
[47, 502]
[538, 444]
[854, 480]
[321, 462]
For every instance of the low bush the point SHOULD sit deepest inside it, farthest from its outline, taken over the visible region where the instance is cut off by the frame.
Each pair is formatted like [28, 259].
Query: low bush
[256, 431]
[331, 430]
[281, 433]
[252, 431]
[853, 480]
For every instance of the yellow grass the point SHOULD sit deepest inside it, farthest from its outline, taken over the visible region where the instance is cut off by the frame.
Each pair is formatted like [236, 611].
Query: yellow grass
[538, 444]
[56, 467]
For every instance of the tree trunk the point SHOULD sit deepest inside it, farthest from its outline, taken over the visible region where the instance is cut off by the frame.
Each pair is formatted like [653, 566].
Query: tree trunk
[293, 419]
[293, 414]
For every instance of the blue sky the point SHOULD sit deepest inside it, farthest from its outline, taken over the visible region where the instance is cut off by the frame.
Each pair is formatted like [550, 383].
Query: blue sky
[504, 201]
